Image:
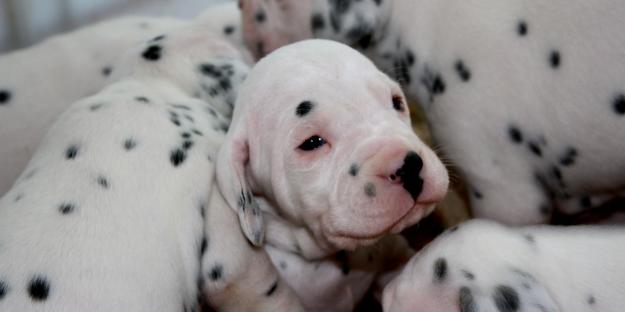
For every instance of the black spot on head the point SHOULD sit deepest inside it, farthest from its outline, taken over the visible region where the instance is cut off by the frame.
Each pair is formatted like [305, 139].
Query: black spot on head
[506, 299]
[272, 289]
[535, 149]
[304, 108]
[95, 107]
[106, 71]
[5, 97]
[466, 300]
[354, 169]
[142, 99]
[228, 29]
[185, 135]
[317, 22]
[530, 238]
[152, 52]
[187, 144]
[38, 288]
[216, 272]
[4, 288]
[477, 194]
[71, 152]
[18, 197]
[177, 156]
[197, 132]
[103, 182]
[66, 208]
[129, 144]
[618, 103]
[440, 269]
[438, 85]
[522, 28]
[370, 190]
[158, 38]
[555, 59]
[515, 134]
[260, 16]
[462, 70]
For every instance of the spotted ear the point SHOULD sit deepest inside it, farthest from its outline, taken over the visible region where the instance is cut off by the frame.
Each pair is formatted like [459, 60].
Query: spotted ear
[231, 179]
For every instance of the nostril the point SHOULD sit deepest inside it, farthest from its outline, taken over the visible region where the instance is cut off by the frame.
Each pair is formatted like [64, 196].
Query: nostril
[409, 173]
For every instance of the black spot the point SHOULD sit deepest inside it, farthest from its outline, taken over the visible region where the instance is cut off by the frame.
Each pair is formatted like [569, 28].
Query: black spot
[71, 152]
[569, 156]
[228, 29]
[282, 265]
[535, 149]
[506, 299]
[317, 22]
[555, 59]
[142, 99]
[304, 108]
[5, 97]
[198, 132]
[272, 289]
[39, 288]
[103, 182]
[18, 197]
[66, 208]
[158, 38]
[106, 71]
[468, 275]
[463, 71]
[211, 71]
[216, 272]
[185, 135]
[466, 301]
[187, 144]
[260, 16]
[618, 103]
[152, 53]
[95, 107]
[530, 238]
[177, 156]
[438, 86]
[591, 300]
[440, 269]
[515, 134]
[477, 194]
[377, 2]
[522, 28]
[203, 245]
[129, 144]
[4, 288]
[353, 170]
[370, 189]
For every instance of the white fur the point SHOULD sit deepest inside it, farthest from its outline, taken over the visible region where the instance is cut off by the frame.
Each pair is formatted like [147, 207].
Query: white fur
[570, 269]
[132, 238]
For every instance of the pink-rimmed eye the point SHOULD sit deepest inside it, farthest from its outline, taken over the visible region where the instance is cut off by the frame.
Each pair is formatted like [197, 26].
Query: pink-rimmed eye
[312, 143]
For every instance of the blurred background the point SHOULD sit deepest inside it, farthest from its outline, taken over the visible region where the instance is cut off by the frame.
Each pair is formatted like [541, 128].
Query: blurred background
[24, 22]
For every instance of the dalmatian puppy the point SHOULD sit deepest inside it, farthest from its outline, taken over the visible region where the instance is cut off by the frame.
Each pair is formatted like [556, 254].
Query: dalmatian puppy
[485, 266]
[526, 98]
[114, 210]
[47, 77]
[334, 166]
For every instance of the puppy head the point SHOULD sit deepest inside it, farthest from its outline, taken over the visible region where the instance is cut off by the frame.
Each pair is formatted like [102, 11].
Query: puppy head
[270, 24]
[324, 136]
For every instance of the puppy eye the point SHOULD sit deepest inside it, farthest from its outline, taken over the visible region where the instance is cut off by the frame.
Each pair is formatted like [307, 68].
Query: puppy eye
[398, 103]
[312, 143]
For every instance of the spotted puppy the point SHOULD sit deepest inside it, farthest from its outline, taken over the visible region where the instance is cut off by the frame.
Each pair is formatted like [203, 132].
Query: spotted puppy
[484, 266]
[528, 99]
[109, 214]
[321, 157]
[40, 82]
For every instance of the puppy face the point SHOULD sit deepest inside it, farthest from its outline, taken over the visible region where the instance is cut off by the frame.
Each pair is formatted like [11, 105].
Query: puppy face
[326, 138]
[270, 24]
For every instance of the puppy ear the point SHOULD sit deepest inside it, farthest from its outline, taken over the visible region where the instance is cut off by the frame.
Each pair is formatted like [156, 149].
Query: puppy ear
[231, 179]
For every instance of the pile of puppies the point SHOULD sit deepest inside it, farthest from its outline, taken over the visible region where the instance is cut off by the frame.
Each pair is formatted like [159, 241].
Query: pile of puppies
[161, 170]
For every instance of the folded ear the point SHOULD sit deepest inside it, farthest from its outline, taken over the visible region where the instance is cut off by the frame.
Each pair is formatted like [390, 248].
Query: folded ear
[231, 178]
